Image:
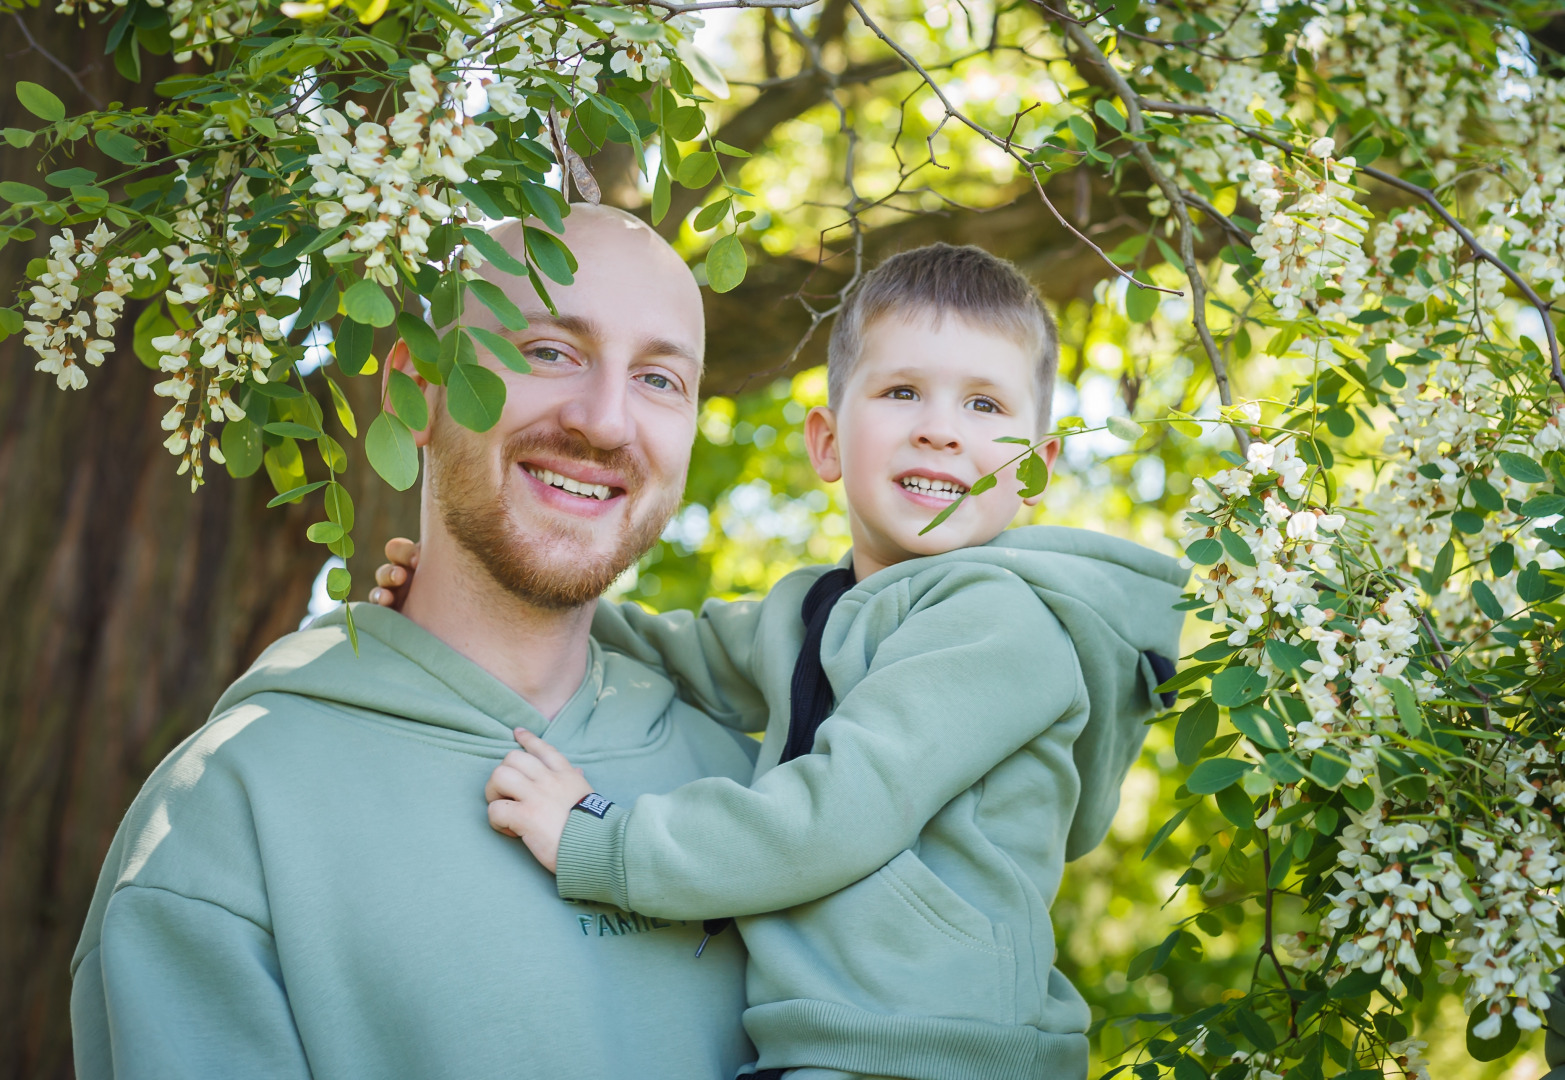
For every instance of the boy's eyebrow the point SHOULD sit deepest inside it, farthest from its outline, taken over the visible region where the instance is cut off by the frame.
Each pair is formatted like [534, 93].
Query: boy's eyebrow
[913, 373]
[583, 327]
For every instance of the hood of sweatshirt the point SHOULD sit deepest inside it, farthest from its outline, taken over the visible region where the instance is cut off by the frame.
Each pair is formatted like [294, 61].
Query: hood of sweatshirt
[1116, 600]
[406, 676]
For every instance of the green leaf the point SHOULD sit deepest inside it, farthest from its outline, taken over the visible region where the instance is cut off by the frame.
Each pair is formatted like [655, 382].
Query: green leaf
[492, 250]
[344, 411]
[493, 297]
[947, 512]
[661, 194]
[1406, 705]
[726, 264]
[1237, 549]
[475, 396]
[408, 401]
[296, 493]
[338, 583]
[1442, 568]
[1484, 597]
[389, 446]
[1187, 676]
[40, 102]
[550, 254]
[503, 350]
[1284, 655]
[324, 532]
[1544, 506]
[366, 302]
[729, 151]
[290, 430]
[1086, 135]
[982, 484]
[697, 170]
[1197, 725]
[1109, 114]
[1502, 559]
[1166, 831]
[1523, 468]
[1124, 428]
[352, 346]
[1205, 552]
[1260, 727]
[1236, 806]
[711, 215]
[1215, 774]
[120, 147]
[1141, 303]
[1497, 1047]
[1238, 685]
[13, 192]
[684, 123]
[1367, 151]
[421, 342]
[242, 447]
[1033, 473]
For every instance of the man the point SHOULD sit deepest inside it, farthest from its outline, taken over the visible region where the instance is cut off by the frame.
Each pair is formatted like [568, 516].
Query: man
[309, 883]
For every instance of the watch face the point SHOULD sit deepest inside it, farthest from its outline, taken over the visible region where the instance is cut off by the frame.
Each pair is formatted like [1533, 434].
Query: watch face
[594, 804]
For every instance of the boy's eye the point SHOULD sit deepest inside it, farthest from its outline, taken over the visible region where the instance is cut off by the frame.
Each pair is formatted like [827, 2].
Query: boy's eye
[902, 393]
[985, 405]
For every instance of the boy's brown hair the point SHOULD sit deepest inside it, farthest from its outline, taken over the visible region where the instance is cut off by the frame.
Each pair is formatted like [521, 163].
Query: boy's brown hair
[943, 279]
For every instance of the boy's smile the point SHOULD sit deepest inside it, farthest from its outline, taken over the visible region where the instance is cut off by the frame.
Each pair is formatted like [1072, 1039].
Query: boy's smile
[916, 428]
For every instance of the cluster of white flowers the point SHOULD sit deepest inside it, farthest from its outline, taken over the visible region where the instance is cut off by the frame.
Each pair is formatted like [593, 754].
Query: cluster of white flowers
[63, 334]
[1533, 225]
[194, 25]
[387, 181]
[1316, 241]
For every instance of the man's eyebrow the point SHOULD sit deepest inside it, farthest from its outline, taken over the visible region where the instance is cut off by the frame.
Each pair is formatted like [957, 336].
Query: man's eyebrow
[665, 347]
[583, 327]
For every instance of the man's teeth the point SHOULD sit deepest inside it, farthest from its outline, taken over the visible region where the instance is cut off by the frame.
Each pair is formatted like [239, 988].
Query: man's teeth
[575, 487]
[937, 489]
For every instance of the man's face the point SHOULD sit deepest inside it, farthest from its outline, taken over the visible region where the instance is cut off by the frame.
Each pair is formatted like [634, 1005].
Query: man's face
[587, 462]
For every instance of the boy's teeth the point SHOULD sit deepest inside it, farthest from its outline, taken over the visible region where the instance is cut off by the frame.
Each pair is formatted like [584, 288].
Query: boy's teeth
[939, 489]
[565, 483]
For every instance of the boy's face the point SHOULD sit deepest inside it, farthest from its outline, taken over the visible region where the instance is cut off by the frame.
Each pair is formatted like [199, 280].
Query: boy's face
[917, 426]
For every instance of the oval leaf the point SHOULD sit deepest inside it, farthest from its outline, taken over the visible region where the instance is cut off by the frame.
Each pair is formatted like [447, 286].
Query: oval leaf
[40, 102]
[1523, 468]
[1210, 777]
[475, 396]
[1124, 428]
[389, 446]
[366, 302]
[726, 264]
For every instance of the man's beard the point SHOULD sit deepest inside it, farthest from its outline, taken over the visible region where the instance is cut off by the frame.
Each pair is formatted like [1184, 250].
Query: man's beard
[549, 570]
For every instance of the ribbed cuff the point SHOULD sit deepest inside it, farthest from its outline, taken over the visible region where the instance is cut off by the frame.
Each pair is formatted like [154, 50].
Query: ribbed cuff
[591, 860]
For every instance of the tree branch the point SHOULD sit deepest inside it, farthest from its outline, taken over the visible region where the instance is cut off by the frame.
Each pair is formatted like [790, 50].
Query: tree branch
[55, 60]
[708, 5]
[1176, 200]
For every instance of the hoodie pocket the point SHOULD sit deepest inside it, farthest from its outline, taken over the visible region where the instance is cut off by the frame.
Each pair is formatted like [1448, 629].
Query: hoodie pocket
[899, 941]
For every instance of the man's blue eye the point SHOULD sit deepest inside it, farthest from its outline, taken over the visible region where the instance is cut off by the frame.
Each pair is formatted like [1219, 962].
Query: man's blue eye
[548, 356]
[661, 382]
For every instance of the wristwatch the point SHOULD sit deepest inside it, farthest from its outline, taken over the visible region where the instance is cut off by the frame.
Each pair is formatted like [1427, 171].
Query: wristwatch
[594, 804]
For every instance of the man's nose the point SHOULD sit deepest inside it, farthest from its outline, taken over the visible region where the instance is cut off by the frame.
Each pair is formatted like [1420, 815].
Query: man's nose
[600, 411]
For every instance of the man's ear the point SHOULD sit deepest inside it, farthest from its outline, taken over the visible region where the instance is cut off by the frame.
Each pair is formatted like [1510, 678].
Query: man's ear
[1050, 452]
[401, 358]
[820, 436]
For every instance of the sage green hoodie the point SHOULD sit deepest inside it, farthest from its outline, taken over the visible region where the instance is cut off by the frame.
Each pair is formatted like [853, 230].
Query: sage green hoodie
[894, 885]
[308, 885]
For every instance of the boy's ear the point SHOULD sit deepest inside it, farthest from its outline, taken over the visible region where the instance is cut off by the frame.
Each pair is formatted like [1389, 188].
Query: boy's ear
[401, 358]
[820, 436]
[1050, 452]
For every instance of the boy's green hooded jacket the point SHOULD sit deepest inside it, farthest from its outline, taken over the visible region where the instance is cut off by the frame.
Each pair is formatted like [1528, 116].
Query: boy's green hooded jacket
[895, 884]
[309, 885]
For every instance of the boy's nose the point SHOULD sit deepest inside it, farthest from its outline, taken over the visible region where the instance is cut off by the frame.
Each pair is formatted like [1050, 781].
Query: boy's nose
[936, 436]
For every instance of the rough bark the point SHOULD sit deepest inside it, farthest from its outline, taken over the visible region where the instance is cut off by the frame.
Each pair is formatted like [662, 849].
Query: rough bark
[128, 602]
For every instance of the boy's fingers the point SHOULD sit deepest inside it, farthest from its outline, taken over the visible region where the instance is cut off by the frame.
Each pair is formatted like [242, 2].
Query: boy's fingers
[505, 817]
[380, 596]
[511, 783]
[390, 576]
[402, 551]
[541, 750]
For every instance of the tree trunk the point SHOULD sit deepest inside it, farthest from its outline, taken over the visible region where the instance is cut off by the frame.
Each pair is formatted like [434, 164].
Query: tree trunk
[129, 603]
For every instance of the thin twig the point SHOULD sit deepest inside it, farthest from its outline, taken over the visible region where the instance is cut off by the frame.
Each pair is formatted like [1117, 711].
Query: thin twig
[1004, 145]
[55, 60]
[708, 5]
[1176, 200]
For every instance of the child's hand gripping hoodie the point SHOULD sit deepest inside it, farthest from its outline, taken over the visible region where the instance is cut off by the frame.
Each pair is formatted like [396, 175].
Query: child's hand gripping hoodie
[894, 885]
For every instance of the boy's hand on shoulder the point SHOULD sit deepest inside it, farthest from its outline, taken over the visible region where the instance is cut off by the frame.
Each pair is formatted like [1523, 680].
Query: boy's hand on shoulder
[393, 576]
[531, 794]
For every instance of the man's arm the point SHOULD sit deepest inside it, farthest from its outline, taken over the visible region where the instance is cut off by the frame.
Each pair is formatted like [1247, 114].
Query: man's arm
[977, 670]
[180, 987]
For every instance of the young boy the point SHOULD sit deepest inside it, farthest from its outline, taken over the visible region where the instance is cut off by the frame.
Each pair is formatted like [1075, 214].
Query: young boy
[948, 717]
